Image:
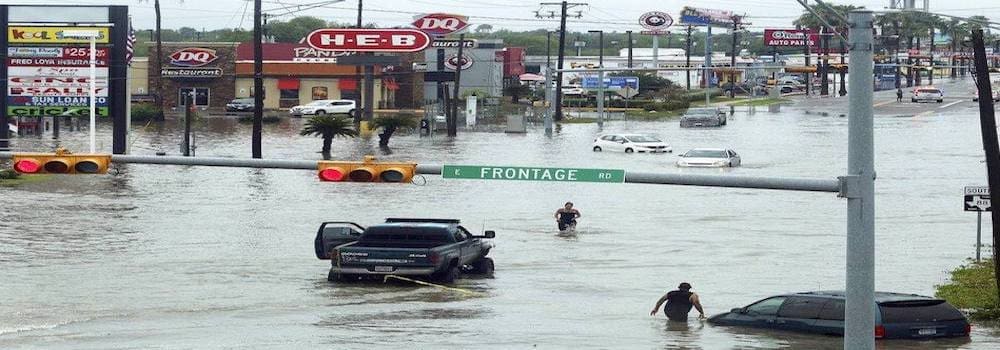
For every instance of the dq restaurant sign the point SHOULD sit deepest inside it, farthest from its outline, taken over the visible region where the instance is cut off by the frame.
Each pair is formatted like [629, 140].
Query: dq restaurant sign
[369, 40]
[441, 24]
[790, 37]
[190, 63]
[53, 35]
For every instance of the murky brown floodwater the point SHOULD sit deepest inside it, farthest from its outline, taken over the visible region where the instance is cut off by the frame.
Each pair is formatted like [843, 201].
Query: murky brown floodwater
[195, 257]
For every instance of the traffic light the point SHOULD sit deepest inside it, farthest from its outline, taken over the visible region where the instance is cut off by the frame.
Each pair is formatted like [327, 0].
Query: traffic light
[367, 171]
[61, 162]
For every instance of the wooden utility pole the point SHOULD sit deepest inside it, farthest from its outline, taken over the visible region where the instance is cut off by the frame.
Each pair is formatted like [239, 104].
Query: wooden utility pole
[991, 146]
[258, 81]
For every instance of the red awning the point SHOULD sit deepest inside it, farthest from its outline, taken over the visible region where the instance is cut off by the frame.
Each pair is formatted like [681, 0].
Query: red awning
[288, 84]
[347, 84]
[391, 84]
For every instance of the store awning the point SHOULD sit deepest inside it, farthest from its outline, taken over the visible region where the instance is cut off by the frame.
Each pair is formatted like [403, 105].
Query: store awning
[347, 84]
[288, 84]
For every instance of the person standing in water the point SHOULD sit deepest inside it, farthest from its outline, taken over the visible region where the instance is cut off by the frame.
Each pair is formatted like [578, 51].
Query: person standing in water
[679, 303]
[566, 216]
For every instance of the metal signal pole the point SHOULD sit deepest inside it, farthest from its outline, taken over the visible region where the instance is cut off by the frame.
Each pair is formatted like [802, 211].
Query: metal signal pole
[258, 81]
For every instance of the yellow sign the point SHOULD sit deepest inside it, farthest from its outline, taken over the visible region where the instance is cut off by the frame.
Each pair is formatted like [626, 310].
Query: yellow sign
[53, 35]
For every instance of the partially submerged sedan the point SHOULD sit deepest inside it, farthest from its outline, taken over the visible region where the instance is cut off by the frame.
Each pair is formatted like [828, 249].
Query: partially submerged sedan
[696, 117]
[709, 158]
[629, 143]
[899, 316]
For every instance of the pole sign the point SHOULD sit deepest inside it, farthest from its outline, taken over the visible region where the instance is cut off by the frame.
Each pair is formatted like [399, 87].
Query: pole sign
[694, 16]
[610, 83]
[53, 35]
[369, 40]
[532, 173]
[655, 22]
[977, 198]
[790, 37]
[440, 24]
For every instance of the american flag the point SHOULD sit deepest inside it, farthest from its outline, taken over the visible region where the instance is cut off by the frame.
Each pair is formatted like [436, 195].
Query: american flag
[130, 44]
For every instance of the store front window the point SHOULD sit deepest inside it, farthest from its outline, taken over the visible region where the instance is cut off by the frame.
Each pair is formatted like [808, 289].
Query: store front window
[288, 90]
[201, 96]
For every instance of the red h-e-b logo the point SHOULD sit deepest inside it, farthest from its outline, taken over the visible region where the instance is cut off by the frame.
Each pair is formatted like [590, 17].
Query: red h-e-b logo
[368, 40]
[193, 57]
[441, 24]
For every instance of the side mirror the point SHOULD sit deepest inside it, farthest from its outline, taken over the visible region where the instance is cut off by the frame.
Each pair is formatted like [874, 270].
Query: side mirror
[490, 234]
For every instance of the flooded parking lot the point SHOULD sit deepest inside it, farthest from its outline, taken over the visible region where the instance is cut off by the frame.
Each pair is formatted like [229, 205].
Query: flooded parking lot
[196, 257]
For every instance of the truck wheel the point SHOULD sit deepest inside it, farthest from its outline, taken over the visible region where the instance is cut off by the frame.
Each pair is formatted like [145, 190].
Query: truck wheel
[483, 266]
[449, 275]
[334, 277]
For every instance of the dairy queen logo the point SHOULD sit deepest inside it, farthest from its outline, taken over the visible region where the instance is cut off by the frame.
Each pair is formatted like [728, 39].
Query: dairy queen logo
[441, 24]
[193, 57]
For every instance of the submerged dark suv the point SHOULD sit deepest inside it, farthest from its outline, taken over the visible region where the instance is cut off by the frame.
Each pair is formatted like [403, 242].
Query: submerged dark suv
[900, 315]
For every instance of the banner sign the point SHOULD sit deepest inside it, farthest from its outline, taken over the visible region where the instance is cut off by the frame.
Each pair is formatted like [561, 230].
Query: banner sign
[54, 101]
[694, 16]
[56, 72]
[18, 111]
[53, 35]
[54, 82]
[168, 72]
[369, 40]
[33, 91]
[62, 62]
[610, 83]
[790, 37]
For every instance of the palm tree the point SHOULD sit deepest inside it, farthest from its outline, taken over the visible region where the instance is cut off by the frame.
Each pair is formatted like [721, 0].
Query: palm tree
[391, 123]
[328, 127]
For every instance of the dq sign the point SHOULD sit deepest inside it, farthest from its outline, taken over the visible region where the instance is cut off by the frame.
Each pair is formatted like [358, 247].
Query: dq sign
[369, 40]
[441, 24]
[193, 57]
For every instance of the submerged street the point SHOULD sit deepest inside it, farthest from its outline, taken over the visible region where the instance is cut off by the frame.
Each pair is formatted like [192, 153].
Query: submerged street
[199, 257]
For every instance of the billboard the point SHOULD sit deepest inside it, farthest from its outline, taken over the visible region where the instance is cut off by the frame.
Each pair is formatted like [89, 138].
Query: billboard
[694, 16]
[53, 35]
[790, 37]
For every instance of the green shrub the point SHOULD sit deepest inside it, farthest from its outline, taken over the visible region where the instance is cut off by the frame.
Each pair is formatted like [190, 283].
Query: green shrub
[6, 174]
[973, 287]
[144, 111]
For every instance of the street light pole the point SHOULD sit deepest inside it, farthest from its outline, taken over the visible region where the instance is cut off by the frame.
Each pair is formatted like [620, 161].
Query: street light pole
[629, 32]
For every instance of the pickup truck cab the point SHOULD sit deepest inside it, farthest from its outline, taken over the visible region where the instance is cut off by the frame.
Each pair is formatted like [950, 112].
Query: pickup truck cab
[439, 249]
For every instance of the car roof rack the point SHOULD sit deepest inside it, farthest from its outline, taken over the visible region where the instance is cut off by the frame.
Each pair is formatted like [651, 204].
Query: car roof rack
[416, 220]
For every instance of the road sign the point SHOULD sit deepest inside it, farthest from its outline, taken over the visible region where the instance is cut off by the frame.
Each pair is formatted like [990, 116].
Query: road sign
[486, 172]
[441, 24]
[369, 40]
[610, 83]
[977, 198]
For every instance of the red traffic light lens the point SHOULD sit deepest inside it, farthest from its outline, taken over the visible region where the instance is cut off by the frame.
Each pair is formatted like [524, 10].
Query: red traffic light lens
[331, 174]
[87, 167]
[361, 175]
[27, 166]
[56, 166]
[391, 176]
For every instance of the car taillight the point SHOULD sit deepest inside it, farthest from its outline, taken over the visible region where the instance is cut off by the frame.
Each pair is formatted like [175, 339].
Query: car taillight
[435, 258]
[968, 329]
[879, 332]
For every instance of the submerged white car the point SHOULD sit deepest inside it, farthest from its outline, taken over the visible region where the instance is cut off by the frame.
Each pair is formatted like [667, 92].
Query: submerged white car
[321, 107]
[709, 158]
[927, 94]
[629, 143]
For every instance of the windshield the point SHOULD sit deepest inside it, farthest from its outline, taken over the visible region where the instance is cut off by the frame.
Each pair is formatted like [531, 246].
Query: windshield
[641, 138]
[705, 153]
[701, 111]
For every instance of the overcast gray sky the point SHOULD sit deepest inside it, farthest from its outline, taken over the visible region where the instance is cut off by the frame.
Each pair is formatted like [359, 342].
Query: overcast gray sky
[609, 15]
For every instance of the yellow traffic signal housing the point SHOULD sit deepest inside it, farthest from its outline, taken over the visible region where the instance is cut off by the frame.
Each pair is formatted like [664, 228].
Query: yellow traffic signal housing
[367, 171]
[61, 162]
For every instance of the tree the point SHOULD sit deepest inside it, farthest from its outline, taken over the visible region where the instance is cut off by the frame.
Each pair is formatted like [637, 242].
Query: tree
[484, 28]
[328, 127]
[516, 90]
[391, 123]
[295, 29]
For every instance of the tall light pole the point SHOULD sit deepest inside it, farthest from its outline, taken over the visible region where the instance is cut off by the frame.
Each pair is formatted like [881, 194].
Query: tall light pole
[630, 43]
[600, 79]
[600, 55]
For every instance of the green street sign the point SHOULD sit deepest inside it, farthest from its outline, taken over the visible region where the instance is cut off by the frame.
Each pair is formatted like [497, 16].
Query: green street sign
[532, 173]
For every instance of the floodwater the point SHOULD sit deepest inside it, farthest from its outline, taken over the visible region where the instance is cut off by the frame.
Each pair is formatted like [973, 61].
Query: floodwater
[194, 257]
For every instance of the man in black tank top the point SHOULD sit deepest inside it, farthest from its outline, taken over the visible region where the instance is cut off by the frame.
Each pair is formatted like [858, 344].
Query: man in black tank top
[679, 303]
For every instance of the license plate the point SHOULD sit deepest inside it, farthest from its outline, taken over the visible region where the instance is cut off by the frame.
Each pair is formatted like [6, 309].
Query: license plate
[384, 268]
[927, 331]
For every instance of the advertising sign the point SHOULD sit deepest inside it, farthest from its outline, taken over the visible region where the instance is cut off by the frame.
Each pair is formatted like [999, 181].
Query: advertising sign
[655, 22]
[453, 62]
[55, 91]
[31, 111]
[174, 72]
[54, 101]
[453, 43]
[311, 55]
[192, 57]
[53, 81]
[53, 35]
[790, 37]
[52, 62]
[694, 16]
[610, 83]
[54, 52]
[55, 72]
[441, 24]
[369, 40]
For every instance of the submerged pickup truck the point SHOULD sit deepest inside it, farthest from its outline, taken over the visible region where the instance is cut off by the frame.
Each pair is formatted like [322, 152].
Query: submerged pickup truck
[440, 249]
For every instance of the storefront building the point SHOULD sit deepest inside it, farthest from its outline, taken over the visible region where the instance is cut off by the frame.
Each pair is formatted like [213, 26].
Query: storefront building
[204, 70]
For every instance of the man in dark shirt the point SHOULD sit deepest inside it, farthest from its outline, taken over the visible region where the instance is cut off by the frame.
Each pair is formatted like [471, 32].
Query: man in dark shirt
[679, 303]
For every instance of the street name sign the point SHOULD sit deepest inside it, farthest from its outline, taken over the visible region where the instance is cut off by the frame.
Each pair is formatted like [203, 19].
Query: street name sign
[488, 172]
[977, 198]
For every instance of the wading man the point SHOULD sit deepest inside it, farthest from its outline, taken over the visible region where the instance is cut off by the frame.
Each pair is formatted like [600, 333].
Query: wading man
[679, 303]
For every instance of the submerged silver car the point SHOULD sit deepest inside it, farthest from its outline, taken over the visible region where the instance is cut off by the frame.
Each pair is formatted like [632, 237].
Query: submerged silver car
[695, 117]
[709, 158]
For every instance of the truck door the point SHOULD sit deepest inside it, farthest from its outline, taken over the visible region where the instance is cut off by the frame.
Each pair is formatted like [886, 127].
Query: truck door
[466, 243]
[335, 233]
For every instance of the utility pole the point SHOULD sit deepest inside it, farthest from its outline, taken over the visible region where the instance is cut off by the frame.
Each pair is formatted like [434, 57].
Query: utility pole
[600, 79]
[600, 45]
[453, 119]
[930, 78]
[991, 146]
[629, 32]
[732, 57]
[548, 64]
[687, 54]
[258, 81]
[824, 90]
[562, 47]
[158, 67]
[360, 102]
